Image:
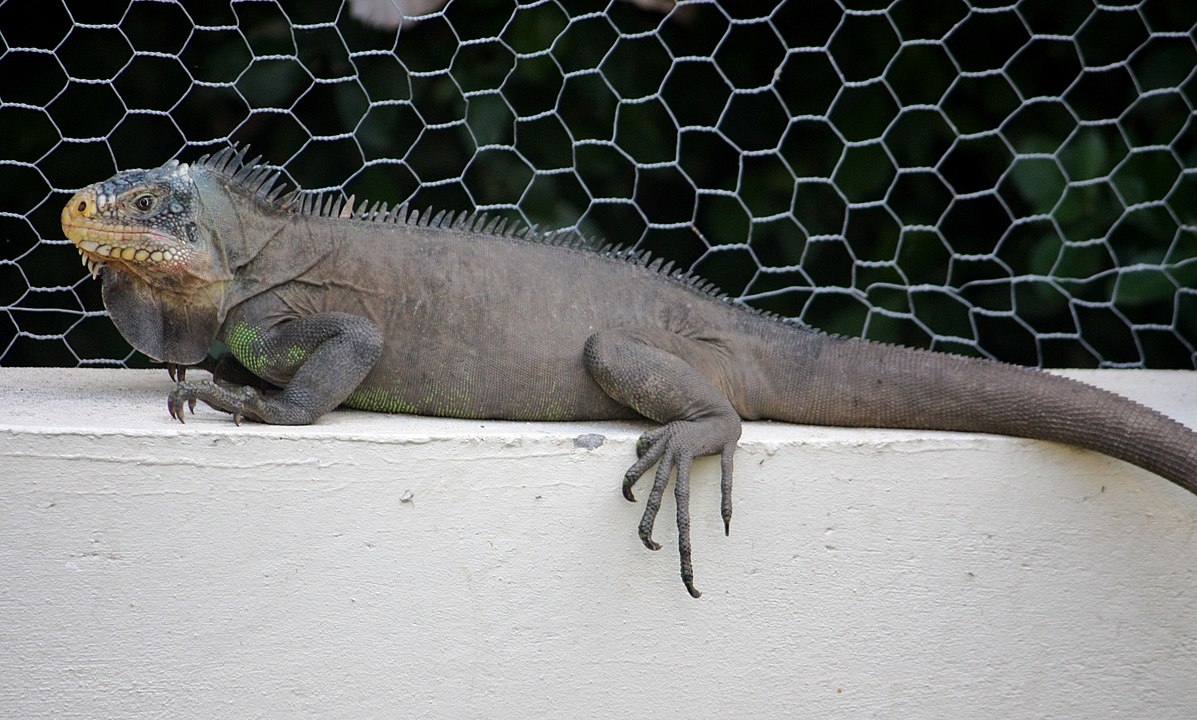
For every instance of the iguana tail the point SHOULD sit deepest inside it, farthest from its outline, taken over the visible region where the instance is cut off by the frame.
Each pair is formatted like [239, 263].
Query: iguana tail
[855, 383]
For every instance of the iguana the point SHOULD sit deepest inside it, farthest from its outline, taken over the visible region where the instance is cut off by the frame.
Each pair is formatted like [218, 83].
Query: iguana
[464, 316]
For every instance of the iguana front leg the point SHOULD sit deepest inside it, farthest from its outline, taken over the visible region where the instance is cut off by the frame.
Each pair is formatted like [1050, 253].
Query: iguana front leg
[318, 360]
[645, 370]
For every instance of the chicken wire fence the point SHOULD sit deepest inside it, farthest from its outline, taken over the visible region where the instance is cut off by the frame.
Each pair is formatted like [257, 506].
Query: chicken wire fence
[1011, 179]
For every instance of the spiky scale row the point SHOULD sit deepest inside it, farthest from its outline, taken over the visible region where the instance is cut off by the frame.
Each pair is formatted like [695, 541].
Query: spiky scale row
[263, 182]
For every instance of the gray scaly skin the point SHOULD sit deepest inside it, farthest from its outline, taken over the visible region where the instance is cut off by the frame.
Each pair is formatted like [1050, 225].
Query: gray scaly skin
[397, 312]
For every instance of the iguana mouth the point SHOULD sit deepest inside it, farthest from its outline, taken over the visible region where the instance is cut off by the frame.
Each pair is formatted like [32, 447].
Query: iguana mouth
[96, 254]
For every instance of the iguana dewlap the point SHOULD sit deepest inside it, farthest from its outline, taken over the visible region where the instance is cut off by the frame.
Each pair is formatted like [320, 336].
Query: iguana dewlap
[394, 311]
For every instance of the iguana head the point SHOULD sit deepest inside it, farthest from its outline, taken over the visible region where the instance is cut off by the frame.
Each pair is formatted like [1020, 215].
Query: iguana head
[142, 222]
[154, 237]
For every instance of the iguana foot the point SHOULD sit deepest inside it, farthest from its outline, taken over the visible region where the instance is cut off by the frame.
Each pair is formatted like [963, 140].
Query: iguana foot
[675, 445]
[242, 402]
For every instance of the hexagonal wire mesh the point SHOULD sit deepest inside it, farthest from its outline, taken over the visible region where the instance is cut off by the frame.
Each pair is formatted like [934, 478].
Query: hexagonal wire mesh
[1012, 179]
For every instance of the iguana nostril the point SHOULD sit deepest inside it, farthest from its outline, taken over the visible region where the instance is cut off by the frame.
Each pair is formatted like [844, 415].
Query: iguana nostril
[82, 206]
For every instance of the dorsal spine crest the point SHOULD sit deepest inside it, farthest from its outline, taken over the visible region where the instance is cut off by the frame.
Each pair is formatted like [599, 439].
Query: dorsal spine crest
[263, 183]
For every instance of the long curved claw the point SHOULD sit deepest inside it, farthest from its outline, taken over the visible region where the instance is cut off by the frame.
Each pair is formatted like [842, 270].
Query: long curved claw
[629, 479]
[648, 452]
[177, 399]
[178, 373]
[170, 408]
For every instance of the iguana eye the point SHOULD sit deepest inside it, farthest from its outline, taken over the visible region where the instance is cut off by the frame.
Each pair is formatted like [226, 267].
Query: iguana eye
[144, 203]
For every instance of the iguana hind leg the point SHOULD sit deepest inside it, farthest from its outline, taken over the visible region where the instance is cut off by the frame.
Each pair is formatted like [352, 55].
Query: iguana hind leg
[647, 371]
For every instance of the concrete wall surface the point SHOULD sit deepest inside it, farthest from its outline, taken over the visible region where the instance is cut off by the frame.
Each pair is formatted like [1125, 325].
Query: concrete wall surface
[375, 566]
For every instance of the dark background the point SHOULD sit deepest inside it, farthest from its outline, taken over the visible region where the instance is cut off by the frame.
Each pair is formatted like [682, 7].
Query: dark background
[1014, 180]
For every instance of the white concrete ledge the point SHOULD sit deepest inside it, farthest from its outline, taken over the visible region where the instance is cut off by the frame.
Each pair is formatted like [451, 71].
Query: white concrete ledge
[391, 566]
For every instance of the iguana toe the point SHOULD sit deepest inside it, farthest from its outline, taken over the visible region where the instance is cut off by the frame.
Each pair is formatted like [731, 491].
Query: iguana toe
[176, 400]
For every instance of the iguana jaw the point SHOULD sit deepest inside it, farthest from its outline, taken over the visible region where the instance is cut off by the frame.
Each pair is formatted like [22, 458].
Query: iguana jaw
[99, 246]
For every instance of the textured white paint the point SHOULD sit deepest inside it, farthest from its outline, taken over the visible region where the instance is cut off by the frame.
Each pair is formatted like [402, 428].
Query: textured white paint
[389, 566]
